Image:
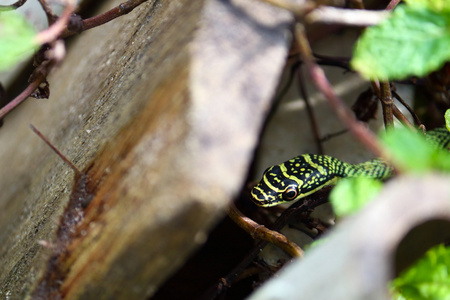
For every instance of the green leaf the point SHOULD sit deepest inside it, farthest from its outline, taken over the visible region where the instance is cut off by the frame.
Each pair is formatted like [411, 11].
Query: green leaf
[352, 194]
[414, 152]
[447, 119]
[429, 278]
[413, 41]
[436, 5]
[16, 39]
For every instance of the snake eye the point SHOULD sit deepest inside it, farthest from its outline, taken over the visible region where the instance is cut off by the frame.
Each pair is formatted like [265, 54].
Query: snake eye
[290, 193]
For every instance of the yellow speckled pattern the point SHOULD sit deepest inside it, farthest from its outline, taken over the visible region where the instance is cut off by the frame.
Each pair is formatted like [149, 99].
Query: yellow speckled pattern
[308, 173]
[439, 136]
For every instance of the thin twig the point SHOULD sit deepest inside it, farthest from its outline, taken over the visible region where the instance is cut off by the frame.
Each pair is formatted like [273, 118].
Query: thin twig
[13, 6]
[22, 96]
[310, 111]
[282, 93]
[308, 203]
[409, 108]
[332, 135]
[401, 117]
[62, 156]
[57, 30]
[335, 61]
[387, 102]
[45, 36]
[392, 4]
[320, 80]
[54, 31]
[122, 9]
[51, 17]
[376, 88]
[261, 232]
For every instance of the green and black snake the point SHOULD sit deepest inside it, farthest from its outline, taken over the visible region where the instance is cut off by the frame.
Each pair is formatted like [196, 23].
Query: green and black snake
[308, 173]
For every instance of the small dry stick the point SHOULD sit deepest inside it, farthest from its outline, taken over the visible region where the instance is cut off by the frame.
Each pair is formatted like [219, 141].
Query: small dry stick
[306, 204]
[312, 116]
[57, 28]
[376, 88]
[320, 80]
[45, 36]
[55, 31]
[392, 4]
[122, 9]
[22, 96]
[401, 117]
[261, 232]
[62, 156]
[51, 17]
[409, 108]
[13, 6]
[387, 102]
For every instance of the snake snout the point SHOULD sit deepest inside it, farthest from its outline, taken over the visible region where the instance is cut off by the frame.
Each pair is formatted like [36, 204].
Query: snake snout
[262, 198]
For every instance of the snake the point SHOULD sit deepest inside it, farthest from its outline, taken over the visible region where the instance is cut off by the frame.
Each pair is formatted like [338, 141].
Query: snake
[306, 174]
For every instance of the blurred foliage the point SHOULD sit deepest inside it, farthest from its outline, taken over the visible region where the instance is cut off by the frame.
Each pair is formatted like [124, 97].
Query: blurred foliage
[352, 194]
[411, 152]
[17, 39]
[429, 278]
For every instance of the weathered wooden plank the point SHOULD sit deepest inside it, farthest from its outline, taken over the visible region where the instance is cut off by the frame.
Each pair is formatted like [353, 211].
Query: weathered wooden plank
[161, 109]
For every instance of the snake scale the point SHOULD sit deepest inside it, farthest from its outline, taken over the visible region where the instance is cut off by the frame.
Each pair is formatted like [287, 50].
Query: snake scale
[305, 174]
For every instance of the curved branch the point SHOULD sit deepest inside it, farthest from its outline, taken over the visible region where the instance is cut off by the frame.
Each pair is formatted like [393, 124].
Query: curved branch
[22, 96]
[261, 232]
[122, 9]
[321, 82]
[54, 31]
[13, 6]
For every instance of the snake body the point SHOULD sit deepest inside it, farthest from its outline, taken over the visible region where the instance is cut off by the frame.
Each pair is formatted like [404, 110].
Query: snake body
[308, 173]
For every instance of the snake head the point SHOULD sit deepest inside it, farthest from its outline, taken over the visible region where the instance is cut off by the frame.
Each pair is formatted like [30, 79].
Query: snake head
[274, 188]
[297, 178]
